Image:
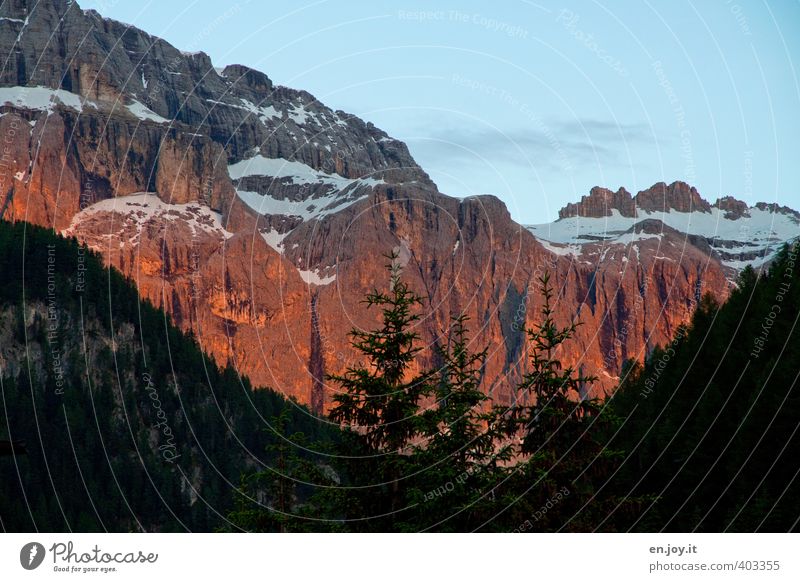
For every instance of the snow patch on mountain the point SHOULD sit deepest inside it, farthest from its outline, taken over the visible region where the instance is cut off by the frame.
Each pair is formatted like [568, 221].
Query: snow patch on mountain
[143, 208]
[314, 278]
[342, 193]
[561, 250]
[140, 111]
[40, 98]
[305, 209]
[274, 239]
[762, 226]
[264, 112]
[298, 172]
[299, 114]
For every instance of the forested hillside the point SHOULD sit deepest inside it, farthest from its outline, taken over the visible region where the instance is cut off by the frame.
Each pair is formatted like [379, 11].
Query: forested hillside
[712, 418]
[703, 436]
[127, 424]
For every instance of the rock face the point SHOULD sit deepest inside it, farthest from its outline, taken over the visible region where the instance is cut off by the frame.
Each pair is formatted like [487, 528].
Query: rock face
[258, 217]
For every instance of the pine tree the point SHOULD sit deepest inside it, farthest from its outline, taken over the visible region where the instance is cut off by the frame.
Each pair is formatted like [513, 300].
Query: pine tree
[380, 401]
[559, 481]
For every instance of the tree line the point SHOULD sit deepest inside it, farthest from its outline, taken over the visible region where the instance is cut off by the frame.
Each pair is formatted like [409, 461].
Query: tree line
[430, 451]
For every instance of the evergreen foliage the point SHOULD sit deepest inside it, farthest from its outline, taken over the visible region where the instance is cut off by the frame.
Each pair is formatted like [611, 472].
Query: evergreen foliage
[712, 418]
[379, 403]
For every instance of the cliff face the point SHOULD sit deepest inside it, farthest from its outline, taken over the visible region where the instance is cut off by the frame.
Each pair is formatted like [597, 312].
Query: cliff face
[258, 217]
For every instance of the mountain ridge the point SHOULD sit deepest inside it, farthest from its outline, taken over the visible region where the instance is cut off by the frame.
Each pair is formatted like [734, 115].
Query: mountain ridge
[259, 225]
[735, 234]
[660, 197]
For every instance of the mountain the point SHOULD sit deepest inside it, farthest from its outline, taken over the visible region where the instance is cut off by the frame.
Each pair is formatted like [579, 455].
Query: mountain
[257, 217]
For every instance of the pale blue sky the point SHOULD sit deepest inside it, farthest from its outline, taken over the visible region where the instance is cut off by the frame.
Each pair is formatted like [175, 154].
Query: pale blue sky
[534, 102]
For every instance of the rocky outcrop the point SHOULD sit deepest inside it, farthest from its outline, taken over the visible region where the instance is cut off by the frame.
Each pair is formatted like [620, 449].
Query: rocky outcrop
[600, 202]
[733, 208]
[660, 197]
[777, 209]
[65, 160]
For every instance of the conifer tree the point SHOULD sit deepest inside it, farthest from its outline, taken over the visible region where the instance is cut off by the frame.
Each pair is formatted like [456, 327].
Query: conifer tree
[461, 456]
[712, 424]
[561, 436]
[456, 420]
[282, 497]
[379, 400]
[556, 391]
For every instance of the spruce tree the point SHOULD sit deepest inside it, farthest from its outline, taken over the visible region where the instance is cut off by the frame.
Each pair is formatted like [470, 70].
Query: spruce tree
[379, 403]
[560, 436]
[293, 494]
[455, 423]
[553, 391]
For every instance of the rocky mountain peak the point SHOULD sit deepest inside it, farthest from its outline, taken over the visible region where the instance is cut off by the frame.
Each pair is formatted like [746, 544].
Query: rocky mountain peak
[778, 209]
[101, 73]
[600, 202]
[678, 196]
[659, 197]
